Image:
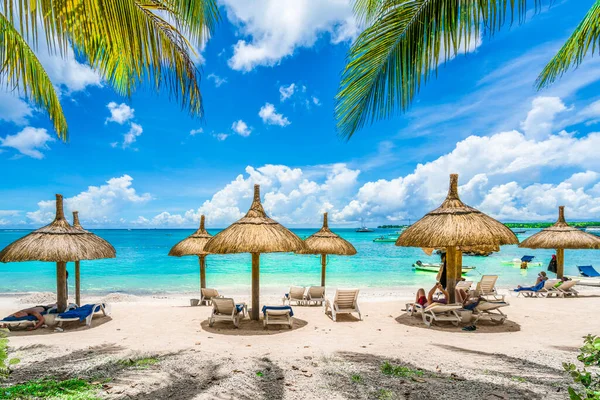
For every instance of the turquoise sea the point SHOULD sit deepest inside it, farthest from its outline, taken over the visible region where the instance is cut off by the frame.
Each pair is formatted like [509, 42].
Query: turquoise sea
[142, 265]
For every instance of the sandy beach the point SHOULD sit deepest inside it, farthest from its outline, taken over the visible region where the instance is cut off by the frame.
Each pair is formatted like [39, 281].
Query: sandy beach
[318, 358]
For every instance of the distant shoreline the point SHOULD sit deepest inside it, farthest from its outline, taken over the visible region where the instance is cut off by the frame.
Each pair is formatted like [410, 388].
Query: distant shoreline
[530, 225]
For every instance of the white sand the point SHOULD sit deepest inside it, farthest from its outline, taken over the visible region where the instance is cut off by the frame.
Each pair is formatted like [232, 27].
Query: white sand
[523, 357]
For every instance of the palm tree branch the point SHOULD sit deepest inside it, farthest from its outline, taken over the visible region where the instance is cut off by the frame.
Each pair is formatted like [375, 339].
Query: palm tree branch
[21, 70]
[575, 49]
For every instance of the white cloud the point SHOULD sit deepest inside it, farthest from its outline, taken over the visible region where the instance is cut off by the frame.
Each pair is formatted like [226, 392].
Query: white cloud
[540, 119]
[194, 132]
[119, 113]
[241, 128]
[274, 29]
[130, 137]
[285, 92]
[217, 79]
[316, 101]
[29, 142]
[221, 136]
[270, 116]
[14, 109]
[96, 205]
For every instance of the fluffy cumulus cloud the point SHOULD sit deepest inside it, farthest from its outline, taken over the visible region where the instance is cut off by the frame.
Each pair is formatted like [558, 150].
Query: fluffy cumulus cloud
[241, 128]
[29, 142]
[274, 29]
[13, 109]
[270, 116]
[130, 137]
[285, 92]
[123, 114]
[96, 205]
[119, 113]
[540, 119]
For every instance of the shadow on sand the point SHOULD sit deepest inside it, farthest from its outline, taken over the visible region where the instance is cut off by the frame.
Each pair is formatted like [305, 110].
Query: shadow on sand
[68, 327]
[249, 327]
[482, 326]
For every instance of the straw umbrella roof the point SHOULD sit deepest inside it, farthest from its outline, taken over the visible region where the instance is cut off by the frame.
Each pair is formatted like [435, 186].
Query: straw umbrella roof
[561, 236]
[192, 245]
[467, 249]
[326, 242]
[254, 233]
[58, 242]
[456, 224]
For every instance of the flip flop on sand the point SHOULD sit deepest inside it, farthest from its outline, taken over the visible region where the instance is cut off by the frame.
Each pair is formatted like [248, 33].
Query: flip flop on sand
[469, 328]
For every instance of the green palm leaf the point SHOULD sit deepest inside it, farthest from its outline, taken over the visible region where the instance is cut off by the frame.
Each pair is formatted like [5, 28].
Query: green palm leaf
[22, 71]
[573, 52]
[403, 46]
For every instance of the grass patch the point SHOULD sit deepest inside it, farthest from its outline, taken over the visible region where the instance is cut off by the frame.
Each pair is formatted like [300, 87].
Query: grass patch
[385, 394]
[399, 370]
[72, 389]
[259, 374]
[141, 363]
[519, 379]
[356, 378]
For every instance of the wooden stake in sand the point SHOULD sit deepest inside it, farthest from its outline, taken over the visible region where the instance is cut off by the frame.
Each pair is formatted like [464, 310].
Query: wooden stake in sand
[455, 226]
[325, 242]
[255, 233]
[561, 236]
[58, 242]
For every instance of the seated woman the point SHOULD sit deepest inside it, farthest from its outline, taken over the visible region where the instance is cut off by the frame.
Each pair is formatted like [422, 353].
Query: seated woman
[539, 283]
[468, 302]
[429, 300]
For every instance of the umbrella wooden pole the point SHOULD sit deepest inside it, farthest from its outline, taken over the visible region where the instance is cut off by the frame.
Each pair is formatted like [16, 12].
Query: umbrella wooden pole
[451, 268]
[61, 286]
[255, 286]
[459, 263]
[77, 284]
[202, 272]
[323, 266]
[560, 263]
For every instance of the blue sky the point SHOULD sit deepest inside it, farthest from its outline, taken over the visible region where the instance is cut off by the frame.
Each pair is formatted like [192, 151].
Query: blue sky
[270, 74]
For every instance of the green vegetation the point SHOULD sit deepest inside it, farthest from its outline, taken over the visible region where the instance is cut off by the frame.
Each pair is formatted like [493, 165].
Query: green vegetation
[5, 362]
[356, 378]
[259, 374]
[399, 370]
[519, 379]
[71, 389]
[141, 363]
[534, 225]
[404, 43]
[385, 394]
[590, 380]
[392, 226]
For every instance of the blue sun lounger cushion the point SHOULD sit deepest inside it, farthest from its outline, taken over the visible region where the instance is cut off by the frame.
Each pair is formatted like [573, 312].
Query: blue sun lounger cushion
[588, 271]
[535, 288]
[278, 308]
[20, 319]
[81, 312]
[527, 259]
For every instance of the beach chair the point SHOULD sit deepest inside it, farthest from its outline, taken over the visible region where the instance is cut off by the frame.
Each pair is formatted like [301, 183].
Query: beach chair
[486, 288]
[18, 323]
[565, 289]
[207, 294]
[344, 302]
[540, 290]
[296, 294]
[588, 271]
[84, 313]
[490, 311]
[277, 315]
[316, 295]
[225, 309]
[439, 312]
[464, 285]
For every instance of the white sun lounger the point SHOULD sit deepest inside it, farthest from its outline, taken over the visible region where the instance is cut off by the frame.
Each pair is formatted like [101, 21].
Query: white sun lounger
[486, 288]
[225, 309]
[296, 294]
[277, 317]
[344, 302]
[464, 285]
[547, 290]
[93, 309]
[565, 289]
[439, 312]
[490, 311]
[207, 294]
[316, 295]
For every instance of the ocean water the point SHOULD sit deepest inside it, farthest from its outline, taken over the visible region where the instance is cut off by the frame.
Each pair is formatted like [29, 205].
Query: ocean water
[142, 265]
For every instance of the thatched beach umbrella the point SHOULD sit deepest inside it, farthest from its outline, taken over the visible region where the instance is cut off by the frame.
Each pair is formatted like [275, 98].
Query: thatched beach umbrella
[455, 225]
[193, 245]
[58, 242]
[255, 233]
[325, 242]
[561, 236]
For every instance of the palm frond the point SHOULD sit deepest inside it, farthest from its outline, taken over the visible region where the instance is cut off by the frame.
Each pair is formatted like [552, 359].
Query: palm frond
[22, 72]
[573, 52]
[396, 54]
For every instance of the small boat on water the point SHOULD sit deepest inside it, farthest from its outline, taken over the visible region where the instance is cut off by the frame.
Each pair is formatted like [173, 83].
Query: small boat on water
[519, 232]
[364, 229]
[426, 267]
[527, 259]
[386, 239]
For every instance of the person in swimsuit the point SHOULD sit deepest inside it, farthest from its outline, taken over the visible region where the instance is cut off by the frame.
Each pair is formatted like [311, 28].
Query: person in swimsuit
[425, 301]
[36, 311]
